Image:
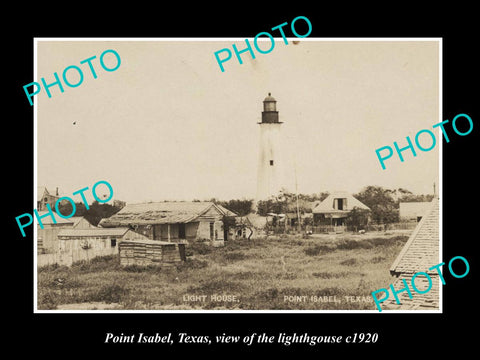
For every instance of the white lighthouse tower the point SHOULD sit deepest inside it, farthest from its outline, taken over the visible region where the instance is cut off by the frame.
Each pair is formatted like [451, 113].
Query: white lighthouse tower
[269, 175]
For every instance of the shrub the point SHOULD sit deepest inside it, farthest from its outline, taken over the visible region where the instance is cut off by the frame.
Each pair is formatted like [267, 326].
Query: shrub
[216, 287]
[349, 262]
[377, 259]
[234, 256]
[47, 301]
[330, 275]
[192, 264]
[199, 248]
[112, 293]
[317, 249]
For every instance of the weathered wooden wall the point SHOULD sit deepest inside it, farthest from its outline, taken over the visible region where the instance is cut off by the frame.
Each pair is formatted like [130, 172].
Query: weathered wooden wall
[150, 252]
[68, 258]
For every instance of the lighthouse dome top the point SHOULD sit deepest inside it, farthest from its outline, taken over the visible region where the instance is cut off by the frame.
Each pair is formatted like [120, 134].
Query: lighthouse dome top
[269, 98]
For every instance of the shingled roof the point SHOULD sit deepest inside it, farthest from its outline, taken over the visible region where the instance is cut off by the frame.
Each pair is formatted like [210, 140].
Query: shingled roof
[422, 248]
[162, 213]
[327, 205]
[420, 253]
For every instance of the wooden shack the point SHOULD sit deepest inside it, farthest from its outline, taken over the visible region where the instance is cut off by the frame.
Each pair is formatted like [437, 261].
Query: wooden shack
[176, 221]
[151, 252]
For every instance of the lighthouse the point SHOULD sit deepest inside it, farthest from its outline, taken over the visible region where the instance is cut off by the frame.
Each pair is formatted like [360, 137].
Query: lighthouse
[269, 173]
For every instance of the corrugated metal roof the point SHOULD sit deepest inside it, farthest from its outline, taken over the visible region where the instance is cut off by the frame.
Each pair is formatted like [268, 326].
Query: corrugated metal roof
[326, 206]
[161, 213]
[92, 232]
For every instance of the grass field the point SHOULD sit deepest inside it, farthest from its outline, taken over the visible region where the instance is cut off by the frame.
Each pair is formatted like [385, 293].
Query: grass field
[283, 273]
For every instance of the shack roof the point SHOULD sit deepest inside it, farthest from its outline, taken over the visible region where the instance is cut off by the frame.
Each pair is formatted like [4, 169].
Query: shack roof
[327, 205]
[162, 213]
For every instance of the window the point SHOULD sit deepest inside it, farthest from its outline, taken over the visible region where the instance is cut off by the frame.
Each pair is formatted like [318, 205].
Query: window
[340, 204]
[271, 162]
[113, 243]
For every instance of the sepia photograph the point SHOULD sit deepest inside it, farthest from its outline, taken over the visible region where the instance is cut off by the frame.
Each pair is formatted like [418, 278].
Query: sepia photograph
[238, 175]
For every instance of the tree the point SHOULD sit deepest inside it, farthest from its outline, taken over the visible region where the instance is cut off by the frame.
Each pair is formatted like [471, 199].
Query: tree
[415, 198]
[358, 218]
[380, 201]
[270, 206]
[94, 214]
[241, 207]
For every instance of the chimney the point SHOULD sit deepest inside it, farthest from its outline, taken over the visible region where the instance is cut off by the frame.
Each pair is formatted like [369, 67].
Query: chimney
[56, 192]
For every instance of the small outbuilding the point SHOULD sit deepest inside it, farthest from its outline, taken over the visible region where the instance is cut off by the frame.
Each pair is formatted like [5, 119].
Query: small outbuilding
[104, 241]
[47, 240]
[151, 252]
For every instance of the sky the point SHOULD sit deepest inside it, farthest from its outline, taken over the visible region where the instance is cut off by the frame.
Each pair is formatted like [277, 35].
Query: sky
[169, 125]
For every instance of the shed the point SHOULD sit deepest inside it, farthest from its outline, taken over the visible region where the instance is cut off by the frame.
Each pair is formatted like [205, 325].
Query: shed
[173, 221]
[47, 240]
[95, 238]
[151, 252]
[420, 253]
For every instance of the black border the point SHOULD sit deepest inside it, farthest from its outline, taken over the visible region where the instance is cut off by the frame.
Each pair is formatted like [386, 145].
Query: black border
[84, 333]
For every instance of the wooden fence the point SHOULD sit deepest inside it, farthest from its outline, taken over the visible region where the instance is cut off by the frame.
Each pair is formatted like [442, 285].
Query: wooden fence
[322, 229]
[62, 258]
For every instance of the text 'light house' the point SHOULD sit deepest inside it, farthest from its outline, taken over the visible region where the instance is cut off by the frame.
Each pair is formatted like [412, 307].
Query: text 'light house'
[269, 161]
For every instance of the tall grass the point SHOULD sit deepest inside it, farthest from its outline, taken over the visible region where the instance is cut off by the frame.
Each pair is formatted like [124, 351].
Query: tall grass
[260, 274]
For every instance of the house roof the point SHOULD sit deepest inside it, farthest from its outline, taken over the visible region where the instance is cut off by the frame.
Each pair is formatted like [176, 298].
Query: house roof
[162, 213]
[255, 220]
[225, 211]
[421, 251]
[426, 301]
[94, 232]
[326, 206]
[76, 219]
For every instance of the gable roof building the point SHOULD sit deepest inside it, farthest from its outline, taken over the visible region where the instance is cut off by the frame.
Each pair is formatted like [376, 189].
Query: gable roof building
[339, 202]
[172, 220]
[45, 197]
[163, 213]
[421, 252]
[336, 207]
